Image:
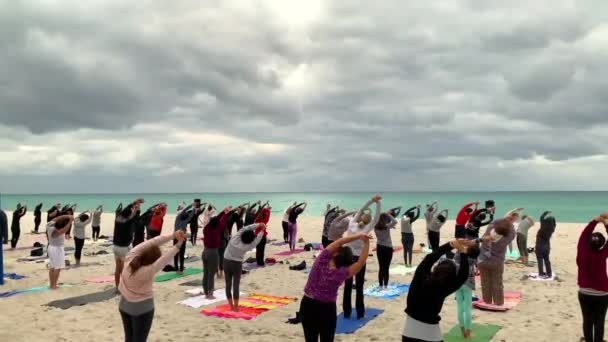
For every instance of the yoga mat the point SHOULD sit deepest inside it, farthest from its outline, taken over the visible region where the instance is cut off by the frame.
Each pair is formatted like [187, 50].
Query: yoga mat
[479, 332]
[197, 282]
[31, 258]
[253, 266]
[392, 291]
[395, 249]
[402, 270]
[172, 275]
[512, 298]
[8, 249]
[280, 243]
[249, 307]
[352, 324]
[13, 276]
[534, 276]
[192, 259]
[30, 290]
[514, 254]
[200, 300]
[100, 280]
[94, 297]
[287, 253]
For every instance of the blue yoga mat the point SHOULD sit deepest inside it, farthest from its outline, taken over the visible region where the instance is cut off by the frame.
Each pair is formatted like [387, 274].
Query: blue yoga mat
[13, 276]
[30, 290]
[392, 291]
[349, 326]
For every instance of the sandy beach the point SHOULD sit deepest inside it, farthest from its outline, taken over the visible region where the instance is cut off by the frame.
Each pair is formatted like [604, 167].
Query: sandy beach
[549, 311]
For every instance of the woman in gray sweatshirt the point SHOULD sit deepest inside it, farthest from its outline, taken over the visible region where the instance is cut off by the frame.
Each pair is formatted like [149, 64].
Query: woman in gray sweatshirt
[245, 240]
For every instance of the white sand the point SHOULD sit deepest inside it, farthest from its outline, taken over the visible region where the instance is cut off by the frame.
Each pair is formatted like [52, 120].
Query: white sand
[549, 311]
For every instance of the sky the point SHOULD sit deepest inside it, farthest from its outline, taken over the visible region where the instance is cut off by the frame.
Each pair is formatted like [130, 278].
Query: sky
[239, 96]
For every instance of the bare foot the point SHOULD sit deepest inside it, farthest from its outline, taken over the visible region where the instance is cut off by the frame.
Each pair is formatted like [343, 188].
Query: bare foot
[179, 272]
[54, 287]
[210, 296]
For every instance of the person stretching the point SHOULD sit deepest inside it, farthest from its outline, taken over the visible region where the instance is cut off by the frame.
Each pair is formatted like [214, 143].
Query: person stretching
[515, 215]
[123, 235]
[407, 234]
[157, 220]
[362, 223]
[263, 217]
[429, 215]
[464, 295]
[80, 224]
[430, 286]
[96, 222]
[543, 244]
[285, 222]
[244, 240]
[251, 213]
[434, 228]
[481, 218]
[53, 212]
[194, 220]
[293, 223]
[332, 267]
[16, 224]
[136, 305]
[330, 216]
[118, 209]
[55, 232]
[339, 225]
[492, 259]
[384, 246]
[592, 280]
[181, 223]
[212, 242]
[37, 218]
[522, 237]
[464, 215]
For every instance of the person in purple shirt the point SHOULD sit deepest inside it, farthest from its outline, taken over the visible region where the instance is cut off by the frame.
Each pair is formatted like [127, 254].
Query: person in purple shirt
[332, 267]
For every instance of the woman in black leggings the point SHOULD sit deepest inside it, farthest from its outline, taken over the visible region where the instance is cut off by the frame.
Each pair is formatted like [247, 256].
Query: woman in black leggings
[16, 224]
[384, 246]
[407, 235]
[592, 253]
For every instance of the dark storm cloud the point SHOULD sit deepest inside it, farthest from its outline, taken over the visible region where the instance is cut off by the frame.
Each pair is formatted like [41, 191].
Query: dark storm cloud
[417, 92]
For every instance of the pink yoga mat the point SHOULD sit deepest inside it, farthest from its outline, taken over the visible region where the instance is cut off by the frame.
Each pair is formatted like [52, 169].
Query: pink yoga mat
[106, 279]
[295, 251]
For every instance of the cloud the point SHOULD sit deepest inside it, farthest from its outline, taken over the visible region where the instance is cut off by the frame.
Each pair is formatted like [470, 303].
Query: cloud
[293, 96]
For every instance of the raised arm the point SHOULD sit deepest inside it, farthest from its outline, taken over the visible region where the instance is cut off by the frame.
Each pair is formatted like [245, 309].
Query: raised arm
[360, 211]
[583, 240]
[392, 222]
[445, 213]
[23, 211]
[375, 220]
[461, 276]
[62, 231]
[489, 219]
[513, 211]
[342, 217]
[396, 211]
[544, 215]
[427, 263]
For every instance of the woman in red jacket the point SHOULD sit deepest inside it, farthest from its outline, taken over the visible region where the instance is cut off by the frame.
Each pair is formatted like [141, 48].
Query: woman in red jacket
[262, 217]
[592, 279]
[156, 222]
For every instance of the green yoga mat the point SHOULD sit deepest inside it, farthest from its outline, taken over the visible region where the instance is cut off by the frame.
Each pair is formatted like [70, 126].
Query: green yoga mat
[481, 333]
[172, 275]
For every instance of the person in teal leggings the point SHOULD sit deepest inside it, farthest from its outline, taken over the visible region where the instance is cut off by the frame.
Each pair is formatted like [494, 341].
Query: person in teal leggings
[464, 295]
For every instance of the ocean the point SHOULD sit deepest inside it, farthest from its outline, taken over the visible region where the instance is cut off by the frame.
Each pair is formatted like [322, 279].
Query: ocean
[566, 206]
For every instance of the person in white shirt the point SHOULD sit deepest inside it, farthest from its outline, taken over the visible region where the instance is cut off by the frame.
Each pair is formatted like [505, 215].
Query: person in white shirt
[362, 223]
[55, 232]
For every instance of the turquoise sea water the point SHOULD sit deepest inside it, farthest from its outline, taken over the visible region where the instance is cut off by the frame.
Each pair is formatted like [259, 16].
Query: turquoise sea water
[567, 206]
